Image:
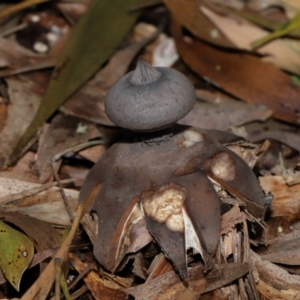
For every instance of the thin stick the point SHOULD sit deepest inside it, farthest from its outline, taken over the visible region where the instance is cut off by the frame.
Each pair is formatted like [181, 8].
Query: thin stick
[86, 269]
[78, 148]
[62, 192]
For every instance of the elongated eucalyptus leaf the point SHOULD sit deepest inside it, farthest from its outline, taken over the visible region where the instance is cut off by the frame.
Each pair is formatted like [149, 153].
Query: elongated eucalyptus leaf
[98, 33]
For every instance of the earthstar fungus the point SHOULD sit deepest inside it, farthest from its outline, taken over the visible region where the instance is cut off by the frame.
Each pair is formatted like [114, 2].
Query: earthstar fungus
[160, 177]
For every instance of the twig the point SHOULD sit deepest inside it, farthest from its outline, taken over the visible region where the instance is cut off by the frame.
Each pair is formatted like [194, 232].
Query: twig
[62, 192]
[86, 269]
[79, 292]
[77, 148]
[14, 29]
[56, 176]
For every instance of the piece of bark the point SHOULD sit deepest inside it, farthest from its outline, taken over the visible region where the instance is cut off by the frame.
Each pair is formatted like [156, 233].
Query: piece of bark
[139, 266]
[101, 288]
[169, 285]
[273, 282]
[286, 201]
[159, 266]
[230, 219]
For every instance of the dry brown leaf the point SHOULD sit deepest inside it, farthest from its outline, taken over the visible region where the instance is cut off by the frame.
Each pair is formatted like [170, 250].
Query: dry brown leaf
[286, 253]
[237, 74]
[189, 15]
[75, 173]
[23, 105]
[22, 170]
[63, 133]
[19, 59]
[93, 153]
[221, 112]
[289, 138]
[46, 205]
[15, 56]
[159, 266]
[283, 53]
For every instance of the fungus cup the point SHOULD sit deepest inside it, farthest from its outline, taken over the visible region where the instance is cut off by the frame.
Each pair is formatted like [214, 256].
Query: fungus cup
[161, 179]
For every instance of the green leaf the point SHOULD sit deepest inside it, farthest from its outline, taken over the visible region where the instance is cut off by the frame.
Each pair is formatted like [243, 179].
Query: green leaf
[285, 29]
[16, 253]
[93, 40]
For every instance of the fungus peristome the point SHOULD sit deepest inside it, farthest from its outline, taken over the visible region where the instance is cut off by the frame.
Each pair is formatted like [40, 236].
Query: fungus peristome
[165, 173]
[149, 99]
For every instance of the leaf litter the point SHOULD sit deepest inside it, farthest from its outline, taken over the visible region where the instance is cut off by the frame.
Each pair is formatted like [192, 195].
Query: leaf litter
[238, 91]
